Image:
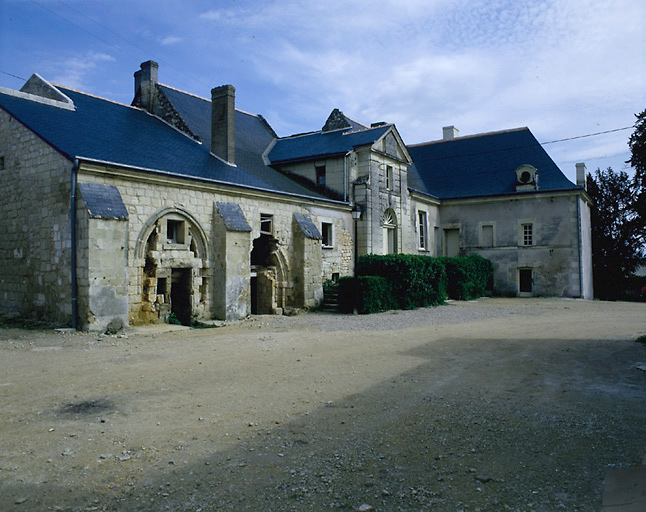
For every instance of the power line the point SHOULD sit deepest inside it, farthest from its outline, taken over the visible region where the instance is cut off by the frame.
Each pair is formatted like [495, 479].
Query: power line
[15, 76]
[588, 135]
[112, 32]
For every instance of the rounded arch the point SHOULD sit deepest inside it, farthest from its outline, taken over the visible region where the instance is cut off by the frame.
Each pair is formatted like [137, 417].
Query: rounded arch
[193, 223]
[389, 226]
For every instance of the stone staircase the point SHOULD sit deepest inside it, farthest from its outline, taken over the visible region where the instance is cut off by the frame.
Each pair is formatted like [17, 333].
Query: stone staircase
[330, 299]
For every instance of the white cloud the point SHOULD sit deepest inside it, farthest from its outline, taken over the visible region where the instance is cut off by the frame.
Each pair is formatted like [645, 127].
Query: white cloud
[169, 40]
[74, 72]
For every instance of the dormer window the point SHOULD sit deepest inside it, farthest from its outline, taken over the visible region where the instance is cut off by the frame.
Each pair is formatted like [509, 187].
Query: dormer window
[526, 178]
[320, 175]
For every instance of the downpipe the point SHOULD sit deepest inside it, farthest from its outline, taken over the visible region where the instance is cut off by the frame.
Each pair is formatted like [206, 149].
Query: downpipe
[73, 244]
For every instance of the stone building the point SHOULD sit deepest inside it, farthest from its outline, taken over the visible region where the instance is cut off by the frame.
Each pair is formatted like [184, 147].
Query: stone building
[119, 215]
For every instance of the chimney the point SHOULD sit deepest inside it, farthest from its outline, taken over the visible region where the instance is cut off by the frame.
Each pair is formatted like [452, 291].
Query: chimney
[450, 132]
[581, 173]
[146, 80]
[223, 129]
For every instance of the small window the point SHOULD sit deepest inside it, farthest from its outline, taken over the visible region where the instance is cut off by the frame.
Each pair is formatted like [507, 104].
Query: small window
[327, 234]
[423, 231]
[1, 163]
[320, 175]
[389, 177]
[175, 231]
[266, 224]
[527, 235]
[487, 236]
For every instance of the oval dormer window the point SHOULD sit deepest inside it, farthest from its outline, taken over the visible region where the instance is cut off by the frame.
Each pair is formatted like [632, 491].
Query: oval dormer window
[526, 177]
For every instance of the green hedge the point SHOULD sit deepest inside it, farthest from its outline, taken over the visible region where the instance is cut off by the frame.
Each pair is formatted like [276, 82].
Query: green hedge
[371, 294]
[407, 281]
[416, 281]
[467, 277]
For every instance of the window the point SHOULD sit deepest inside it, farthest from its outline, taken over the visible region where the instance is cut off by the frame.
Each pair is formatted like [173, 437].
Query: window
[328, 235]
[423, 231]
[527, 235]
[389, 177]
[266, 224]
[487, 236]
[320, 174]
[175, 231]
[1, 163]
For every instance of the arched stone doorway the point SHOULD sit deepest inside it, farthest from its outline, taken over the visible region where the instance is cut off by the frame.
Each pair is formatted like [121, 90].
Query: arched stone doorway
[389, 226]
[174, 270]
[268, 276]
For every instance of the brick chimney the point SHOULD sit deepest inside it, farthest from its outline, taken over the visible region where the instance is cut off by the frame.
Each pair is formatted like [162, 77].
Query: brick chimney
[146, 80]
[581, 173]
[450, 132]
[223, 130]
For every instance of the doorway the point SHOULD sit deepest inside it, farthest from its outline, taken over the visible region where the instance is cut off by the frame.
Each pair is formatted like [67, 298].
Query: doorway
[525, 281]
[180, 294]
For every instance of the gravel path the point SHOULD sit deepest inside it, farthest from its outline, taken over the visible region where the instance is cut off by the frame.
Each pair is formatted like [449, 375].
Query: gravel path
[492, 405]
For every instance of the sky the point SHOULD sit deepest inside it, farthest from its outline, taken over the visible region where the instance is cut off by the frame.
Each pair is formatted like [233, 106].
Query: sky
[564, 68]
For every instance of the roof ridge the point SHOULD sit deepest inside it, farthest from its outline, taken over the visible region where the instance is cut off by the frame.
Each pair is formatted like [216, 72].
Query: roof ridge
[203, 98]
[95, 96]
[483, 134]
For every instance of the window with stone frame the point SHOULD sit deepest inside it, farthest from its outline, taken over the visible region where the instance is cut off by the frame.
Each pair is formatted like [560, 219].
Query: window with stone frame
[422, 230]
[389, 177]
[175, 231]
[528, 235]
[266, 224]
[487, 235]
[320, 174]
[327, 233]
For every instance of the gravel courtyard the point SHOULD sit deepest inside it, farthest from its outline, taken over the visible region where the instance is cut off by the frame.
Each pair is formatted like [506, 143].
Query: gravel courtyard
[490, 405]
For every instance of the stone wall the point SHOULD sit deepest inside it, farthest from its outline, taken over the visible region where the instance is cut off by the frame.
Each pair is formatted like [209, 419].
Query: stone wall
[35, 245]
[149, 197]
[553, 256]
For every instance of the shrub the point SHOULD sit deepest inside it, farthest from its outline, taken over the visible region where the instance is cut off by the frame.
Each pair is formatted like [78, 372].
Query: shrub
[415, 281]
[370, 294]
[467, 277]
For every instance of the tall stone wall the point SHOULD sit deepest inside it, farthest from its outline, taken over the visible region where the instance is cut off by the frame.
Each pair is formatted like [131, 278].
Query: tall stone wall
[147, 197]
[553, 256]
[35, 245]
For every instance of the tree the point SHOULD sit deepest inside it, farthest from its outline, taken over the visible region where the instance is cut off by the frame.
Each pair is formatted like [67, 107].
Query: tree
[617, 232]
[637, 144]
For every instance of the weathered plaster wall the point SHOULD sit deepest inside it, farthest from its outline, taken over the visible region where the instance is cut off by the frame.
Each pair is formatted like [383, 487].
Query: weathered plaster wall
[432, 210]
[553, 256]
[35, 224]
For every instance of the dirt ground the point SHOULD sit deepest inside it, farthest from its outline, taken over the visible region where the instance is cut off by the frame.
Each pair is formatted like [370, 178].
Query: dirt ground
[513, 404]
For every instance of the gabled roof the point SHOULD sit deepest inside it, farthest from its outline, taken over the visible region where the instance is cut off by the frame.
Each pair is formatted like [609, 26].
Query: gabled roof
[481, 165]
[102, 130]
[323, 144]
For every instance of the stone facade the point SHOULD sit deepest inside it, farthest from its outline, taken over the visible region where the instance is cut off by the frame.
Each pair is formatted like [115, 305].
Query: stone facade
[153, 244]
[35, 243]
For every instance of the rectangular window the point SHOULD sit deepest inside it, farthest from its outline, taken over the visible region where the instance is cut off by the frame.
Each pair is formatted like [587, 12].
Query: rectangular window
[266, 224]
[487, 236]
[389, 177]
[527, 235]
[1, 163]
[175, 231]
[423, 231]
[320, 175]
[327, 234]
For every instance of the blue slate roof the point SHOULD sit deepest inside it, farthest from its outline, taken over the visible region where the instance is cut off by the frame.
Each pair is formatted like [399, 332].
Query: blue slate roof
[308, 228]
[253, 136]
[103, 201]
[481, 165]
[234, 219]
[100, 129]
[323, 144]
